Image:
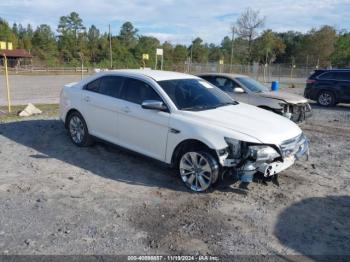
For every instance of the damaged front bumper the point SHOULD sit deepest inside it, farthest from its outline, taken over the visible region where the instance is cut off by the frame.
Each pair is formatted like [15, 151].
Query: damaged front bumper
[271, 162]
[297, 112]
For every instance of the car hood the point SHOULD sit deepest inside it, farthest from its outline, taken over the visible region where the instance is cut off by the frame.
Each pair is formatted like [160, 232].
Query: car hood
[286, 97]
[260, 124]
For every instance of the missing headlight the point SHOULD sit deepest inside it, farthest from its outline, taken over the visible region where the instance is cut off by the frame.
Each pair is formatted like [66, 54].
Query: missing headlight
[234, 146]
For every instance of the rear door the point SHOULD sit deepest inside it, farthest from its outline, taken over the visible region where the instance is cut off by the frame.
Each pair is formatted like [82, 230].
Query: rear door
[142, 130]
[100, 106]
[344, 85]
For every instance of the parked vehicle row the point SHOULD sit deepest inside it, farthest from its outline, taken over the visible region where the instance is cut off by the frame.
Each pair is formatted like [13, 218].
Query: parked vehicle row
[184, 121]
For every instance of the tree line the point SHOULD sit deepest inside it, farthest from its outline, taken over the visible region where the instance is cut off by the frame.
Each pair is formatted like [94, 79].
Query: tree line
[73, 42]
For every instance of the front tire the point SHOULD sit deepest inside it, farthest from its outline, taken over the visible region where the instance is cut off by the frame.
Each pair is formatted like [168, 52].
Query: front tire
[326, 98]
[78, 130]
[199, 170]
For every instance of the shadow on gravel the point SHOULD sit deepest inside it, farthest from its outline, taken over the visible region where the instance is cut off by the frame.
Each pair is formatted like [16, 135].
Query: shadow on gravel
[50, 139]
[316, 226]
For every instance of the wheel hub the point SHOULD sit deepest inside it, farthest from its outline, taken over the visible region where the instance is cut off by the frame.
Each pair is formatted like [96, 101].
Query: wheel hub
[195, 171]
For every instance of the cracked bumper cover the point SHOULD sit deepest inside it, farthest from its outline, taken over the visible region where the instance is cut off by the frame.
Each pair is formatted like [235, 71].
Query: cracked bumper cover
[290, 152]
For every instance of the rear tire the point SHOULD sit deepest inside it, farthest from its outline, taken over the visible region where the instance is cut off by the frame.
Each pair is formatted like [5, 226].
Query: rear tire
[78, 130]
[199, 170]
[326, 98]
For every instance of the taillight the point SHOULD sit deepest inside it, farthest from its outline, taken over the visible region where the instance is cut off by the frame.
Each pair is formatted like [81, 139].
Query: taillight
[310, 81]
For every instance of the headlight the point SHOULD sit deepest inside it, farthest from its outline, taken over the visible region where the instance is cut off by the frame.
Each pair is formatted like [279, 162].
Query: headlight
[235, 147]
[263, 153]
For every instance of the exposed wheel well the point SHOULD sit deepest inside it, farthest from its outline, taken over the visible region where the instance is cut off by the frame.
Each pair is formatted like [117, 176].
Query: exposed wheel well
[186, 145]
[67, 116]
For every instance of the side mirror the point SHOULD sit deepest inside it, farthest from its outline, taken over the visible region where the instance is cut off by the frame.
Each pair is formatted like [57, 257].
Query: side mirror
[238, 90]
[154, 105]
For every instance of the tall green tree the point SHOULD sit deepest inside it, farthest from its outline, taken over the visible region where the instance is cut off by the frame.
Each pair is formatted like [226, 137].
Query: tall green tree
[267, 47]
[71, 36]
[44, 44]
[6, 33]
[198, 51]
[147, 45]
[341, 54]
[180, 54]
[128, 34]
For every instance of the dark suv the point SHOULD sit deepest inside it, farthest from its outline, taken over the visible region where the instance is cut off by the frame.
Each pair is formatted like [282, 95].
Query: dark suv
[329, 87]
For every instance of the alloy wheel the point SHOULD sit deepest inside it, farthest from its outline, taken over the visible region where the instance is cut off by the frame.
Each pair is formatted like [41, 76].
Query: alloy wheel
[76, 129]
[195, 171]
[325, 99]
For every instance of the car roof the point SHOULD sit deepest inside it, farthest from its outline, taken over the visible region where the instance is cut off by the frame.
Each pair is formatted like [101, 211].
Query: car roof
[156, 75]
[333, 70]
[221, 74]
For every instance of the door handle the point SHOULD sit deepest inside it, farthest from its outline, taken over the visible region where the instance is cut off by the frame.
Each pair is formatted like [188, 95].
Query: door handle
[126, 109]
[86, 98]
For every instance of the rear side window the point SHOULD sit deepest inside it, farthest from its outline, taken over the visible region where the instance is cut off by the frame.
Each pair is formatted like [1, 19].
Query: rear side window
[93, 86]
[111, 86]
[108, 85]
[137, 91]
[316, 73]
[329, 75]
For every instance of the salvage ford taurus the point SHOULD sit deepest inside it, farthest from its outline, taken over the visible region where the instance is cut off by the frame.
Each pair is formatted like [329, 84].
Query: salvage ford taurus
[183, 121]
[247, 90]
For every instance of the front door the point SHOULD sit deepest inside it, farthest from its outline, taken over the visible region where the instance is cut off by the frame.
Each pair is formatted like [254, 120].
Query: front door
[142, 130]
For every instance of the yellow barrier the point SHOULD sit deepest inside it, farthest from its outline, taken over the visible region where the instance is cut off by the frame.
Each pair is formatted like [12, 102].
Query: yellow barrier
[7, 84]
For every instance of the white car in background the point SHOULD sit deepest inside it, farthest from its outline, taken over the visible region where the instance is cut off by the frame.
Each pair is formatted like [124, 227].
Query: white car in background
[183, 121]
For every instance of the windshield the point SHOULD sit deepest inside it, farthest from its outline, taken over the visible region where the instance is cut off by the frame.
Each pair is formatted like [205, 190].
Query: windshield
[252, 85]
[195, 94]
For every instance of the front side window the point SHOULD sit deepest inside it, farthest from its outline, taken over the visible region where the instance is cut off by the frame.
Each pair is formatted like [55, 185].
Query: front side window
[137, 91]
[195, 94]
[225, 84]
[252, 85]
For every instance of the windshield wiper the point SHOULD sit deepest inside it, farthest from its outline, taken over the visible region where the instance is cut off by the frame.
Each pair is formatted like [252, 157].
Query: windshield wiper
[227, 104]
[198, 108]
[207, 107]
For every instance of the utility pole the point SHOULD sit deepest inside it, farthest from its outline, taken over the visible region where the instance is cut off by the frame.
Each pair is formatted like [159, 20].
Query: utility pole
[189, 60]
[110, 46]
[191, 53]
[233, 37]
[82, 65]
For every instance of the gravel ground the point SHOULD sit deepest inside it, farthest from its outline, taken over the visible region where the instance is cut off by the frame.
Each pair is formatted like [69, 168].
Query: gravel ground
[56, 198]
[39, 89]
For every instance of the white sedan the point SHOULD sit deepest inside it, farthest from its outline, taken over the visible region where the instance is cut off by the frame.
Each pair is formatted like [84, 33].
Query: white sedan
[181, 120]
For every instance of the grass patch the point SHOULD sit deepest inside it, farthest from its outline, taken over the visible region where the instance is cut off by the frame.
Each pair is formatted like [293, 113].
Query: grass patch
[48, 110]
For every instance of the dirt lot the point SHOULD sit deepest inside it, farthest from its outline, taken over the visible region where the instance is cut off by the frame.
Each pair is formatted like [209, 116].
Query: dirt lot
[56, 198]
[34, 88]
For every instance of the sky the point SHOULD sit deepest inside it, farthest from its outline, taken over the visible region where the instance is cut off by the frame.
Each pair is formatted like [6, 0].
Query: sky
[180, 21]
